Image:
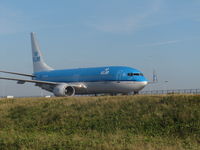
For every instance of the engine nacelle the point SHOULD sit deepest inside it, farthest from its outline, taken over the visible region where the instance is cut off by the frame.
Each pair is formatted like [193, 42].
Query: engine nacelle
[63, 90]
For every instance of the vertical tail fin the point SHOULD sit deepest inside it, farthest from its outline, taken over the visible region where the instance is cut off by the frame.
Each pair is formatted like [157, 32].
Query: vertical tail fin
[38, 61]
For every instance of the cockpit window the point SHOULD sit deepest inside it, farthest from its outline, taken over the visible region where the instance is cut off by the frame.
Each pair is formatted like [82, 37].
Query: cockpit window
[135, 74]
[141, 74]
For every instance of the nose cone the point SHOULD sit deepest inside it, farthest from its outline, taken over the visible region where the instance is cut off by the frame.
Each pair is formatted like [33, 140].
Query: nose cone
[137, 86]
[145, 82]
[140, 78]
[142, 82]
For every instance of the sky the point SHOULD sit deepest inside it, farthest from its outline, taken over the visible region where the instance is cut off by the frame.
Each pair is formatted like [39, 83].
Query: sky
[161, 35]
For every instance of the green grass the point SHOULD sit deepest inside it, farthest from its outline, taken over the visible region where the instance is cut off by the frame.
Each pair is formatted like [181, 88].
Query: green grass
[111, 123]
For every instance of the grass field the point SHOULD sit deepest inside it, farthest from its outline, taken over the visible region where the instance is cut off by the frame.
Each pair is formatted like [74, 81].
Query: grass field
[110, 123]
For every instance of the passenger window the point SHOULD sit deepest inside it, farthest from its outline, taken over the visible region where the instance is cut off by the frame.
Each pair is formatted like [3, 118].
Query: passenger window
[130, 74]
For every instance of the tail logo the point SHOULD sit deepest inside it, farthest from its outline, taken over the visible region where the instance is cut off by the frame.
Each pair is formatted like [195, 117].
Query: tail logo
[36, 57]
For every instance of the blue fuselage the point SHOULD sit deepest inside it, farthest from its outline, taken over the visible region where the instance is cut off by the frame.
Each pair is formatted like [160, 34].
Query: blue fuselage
[99, 74]
[109, 79]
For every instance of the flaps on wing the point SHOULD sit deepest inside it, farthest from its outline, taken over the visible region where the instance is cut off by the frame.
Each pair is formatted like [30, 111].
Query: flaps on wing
[78, 85]
[20, 82]
[16, 73]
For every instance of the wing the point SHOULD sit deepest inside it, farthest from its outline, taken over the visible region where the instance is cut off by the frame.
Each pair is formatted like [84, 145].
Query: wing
[16, 73]
[22, 81]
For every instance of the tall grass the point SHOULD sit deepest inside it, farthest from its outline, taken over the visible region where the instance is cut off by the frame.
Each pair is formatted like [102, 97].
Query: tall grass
[121, 122]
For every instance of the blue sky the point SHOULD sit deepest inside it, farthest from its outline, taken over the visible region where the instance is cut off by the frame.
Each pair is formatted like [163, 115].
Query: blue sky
[159, 34]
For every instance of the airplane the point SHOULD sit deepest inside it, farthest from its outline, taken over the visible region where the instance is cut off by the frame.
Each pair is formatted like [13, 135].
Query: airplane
[69, 82]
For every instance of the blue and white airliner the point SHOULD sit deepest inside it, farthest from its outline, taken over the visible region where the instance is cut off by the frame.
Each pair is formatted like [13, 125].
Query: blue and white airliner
[68, 82]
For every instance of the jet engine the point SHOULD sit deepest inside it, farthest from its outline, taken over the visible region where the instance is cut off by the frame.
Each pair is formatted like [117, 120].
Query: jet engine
[63, 90]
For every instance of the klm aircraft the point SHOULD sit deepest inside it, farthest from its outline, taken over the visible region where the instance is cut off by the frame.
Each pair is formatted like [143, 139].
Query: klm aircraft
[68, 82]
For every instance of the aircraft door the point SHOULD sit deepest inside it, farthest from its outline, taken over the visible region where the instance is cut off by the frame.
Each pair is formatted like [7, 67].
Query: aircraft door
[119, 75]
